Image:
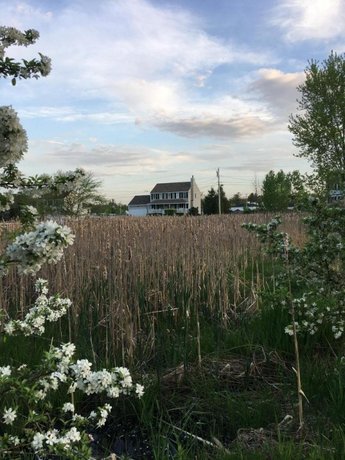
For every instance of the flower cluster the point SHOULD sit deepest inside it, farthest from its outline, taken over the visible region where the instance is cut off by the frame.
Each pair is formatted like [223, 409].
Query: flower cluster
[30, 423]
[45, 309]
[51, 438]
[11, 36]
[318, 268]
[79, 376]
[277, 243]
[309, 315]
[27, 69]
[13, 139]
[66, 182]
[45, 244]
[114, 383]
[60, 370]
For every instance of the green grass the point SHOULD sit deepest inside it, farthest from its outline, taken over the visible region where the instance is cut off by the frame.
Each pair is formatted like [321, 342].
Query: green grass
[245, 381]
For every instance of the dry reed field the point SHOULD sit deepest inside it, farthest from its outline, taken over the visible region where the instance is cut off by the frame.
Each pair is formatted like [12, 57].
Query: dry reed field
[125, 274]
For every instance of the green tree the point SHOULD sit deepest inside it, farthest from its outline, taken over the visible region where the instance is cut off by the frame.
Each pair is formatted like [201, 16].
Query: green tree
[319, 130]
[237, 200]
[299, 191]
[276, 191]
[108, 207]
[210, 202]
[74, 198]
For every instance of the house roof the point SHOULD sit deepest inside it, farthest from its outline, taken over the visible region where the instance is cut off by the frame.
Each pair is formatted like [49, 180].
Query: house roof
[138, 200]
[172, 187]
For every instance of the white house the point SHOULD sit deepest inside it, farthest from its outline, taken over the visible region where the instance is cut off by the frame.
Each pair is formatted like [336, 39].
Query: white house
[179, 196]
[139, 205]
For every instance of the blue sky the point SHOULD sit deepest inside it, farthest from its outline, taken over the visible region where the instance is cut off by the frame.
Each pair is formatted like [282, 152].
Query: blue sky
[147, 91]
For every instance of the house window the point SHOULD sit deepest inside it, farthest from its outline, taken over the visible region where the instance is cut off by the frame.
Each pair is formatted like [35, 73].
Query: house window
[183, 194]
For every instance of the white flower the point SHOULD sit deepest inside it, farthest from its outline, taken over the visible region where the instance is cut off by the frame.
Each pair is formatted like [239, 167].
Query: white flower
[125, 376]
[139, 389]
[289, 330]
[338, 334]
[5, 371]
[101, 422]
[14, 440]
[68, 349]
[78, 418]
[52, 438]
[113, 392]
[9, 328]
[82, 368]
[68, 407]
[41, 286]
[72, 388]
[9, 416]
[31, 210]
[40, 394]
[13, 139]
[73, 435]
[37, 442]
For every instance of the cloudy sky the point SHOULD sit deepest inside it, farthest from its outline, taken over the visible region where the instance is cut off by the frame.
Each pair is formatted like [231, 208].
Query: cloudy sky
[147, 91]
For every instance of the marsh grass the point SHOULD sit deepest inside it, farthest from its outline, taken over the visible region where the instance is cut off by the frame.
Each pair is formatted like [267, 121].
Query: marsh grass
[180, 301]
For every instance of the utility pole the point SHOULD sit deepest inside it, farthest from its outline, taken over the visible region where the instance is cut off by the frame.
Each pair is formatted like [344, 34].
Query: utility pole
[219, 200]
[256, 187]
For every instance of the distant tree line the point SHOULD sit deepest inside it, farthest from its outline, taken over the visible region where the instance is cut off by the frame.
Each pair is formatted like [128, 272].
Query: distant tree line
[79, 196]
[279, 192]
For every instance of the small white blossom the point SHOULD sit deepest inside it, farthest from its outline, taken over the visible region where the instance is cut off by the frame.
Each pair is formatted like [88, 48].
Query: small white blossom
[52, 438]
[40, 394]
[5, 371]
[68, 407]
[72, 388]
[73, 435]
[139, 389]
[37, 442]
[14, 440]
[9, 416]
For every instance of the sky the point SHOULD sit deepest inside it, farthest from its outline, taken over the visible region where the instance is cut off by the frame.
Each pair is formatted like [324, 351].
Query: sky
[149, 91]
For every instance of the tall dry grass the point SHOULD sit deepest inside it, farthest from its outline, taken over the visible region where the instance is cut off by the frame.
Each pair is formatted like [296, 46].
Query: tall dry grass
[125, 274]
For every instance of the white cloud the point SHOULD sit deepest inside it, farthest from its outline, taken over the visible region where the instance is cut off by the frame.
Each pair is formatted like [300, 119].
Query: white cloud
[93, 47]
[103, 159]
[142, 96]
[24, 15]
[278, 90]
[71, 114]
[213, 126]
[135, 55]
[310, 19]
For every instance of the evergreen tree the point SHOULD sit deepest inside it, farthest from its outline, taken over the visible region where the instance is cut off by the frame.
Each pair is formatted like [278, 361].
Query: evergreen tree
[276, 191]
[210, 202]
